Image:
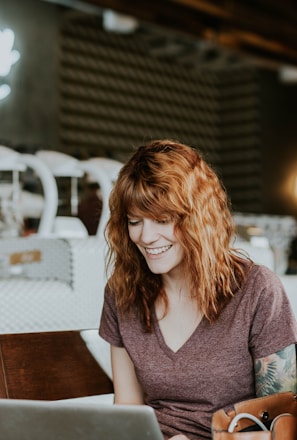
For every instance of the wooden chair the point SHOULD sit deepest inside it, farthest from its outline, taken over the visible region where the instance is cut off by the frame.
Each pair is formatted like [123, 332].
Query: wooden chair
[49, 366]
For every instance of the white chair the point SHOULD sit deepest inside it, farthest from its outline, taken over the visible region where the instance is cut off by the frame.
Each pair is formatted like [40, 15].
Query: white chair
[15, 162]
[100, 170]
[103, 171]
[97, 346]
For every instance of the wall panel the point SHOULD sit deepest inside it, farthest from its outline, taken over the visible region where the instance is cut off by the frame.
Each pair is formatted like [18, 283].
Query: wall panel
[115, 95]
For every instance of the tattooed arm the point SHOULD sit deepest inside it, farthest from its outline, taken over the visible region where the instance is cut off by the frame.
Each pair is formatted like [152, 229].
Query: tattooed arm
[276, 372]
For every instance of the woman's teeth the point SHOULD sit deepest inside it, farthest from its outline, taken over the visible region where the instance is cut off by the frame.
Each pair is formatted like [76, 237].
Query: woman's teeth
[157, 251]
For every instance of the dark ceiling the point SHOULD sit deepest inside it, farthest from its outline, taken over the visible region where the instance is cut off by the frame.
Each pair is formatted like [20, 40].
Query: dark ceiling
[264, 30]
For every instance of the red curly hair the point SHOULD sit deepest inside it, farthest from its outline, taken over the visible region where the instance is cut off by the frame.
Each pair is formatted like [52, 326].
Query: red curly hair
[171, 179]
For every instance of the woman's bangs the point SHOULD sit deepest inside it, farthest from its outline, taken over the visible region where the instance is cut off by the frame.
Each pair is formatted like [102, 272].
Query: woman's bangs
[148, 201]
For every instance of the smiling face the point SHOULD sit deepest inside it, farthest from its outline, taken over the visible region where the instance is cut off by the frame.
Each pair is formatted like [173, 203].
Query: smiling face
[158, 243]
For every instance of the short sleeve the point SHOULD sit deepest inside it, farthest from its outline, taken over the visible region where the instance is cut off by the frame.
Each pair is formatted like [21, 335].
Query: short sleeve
[274, 325]
[109, 325]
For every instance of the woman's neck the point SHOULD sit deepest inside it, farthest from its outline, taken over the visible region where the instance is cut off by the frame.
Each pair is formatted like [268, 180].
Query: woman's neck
[176, 287]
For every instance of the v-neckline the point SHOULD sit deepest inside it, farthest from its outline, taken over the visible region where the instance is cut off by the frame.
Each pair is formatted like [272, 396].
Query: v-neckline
[162, 343]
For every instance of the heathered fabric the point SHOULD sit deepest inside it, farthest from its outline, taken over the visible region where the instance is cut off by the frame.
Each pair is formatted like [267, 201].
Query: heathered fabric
[214, 368]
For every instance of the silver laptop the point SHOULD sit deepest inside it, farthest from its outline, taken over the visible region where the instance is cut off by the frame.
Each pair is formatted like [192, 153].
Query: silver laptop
[44, 420]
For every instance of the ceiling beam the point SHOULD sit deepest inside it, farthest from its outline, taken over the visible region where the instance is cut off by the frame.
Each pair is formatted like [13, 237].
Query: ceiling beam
[262, 28]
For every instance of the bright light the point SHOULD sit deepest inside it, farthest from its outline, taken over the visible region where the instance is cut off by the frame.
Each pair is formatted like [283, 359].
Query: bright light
[288, 74]
[115, 22]
[8, 57]
[4, 91]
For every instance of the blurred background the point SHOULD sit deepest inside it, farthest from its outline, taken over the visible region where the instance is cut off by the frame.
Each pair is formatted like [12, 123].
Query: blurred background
[97, 78]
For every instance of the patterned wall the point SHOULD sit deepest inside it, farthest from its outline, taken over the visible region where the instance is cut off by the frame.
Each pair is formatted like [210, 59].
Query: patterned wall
[115, 95]
[239, 139]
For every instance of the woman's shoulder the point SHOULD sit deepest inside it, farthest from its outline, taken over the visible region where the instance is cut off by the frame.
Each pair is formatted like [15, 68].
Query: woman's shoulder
[109, 297]
[262, 284]
[261, 273]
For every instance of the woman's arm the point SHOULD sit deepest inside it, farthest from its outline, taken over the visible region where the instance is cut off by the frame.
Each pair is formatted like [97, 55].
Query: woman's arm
[126, 386]
[277, 372]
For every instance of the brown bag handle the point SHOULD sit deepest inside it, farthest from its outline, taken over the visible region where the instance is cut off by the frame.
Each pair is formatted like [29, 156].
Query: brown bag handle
[264, 408]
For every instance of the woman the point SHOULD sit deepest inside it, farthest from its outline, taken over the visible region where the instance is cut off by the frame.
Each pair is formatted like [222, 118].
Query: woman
[194, 326]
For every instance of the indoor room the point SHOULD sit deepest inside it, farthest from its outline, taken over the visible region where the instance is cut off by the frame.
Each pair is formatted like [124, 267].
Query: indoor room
[83, 84]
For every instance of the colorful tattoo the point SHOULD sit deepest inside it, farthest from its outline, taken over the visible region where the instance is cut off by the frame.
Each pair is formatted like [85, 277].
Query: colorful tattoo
[277, 372]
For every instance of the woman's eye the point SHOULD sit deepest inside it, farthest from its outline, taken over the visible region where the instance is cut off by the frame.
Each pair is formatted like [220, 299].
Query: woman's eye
[133, 222]
[163, 221]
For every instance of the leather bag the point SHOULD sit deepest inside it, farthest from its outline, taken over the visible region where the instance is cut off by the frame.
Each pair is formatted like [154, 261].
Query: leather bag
[271, 417]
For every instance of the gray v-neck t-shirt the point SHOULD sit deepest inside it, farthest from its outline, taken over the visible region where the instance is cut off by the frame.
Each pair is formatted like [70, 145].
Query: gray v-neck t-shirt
[214, 368]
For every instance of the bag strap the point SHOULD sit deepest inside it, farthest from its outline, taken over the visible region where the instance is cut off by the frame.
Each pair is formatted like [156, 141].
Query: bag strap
[240, 416]
[268, 406]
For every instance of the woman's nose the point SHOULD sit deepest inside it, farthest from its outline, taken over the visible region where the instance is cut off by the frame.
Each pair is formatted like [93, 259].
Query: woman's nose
[149, 231]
